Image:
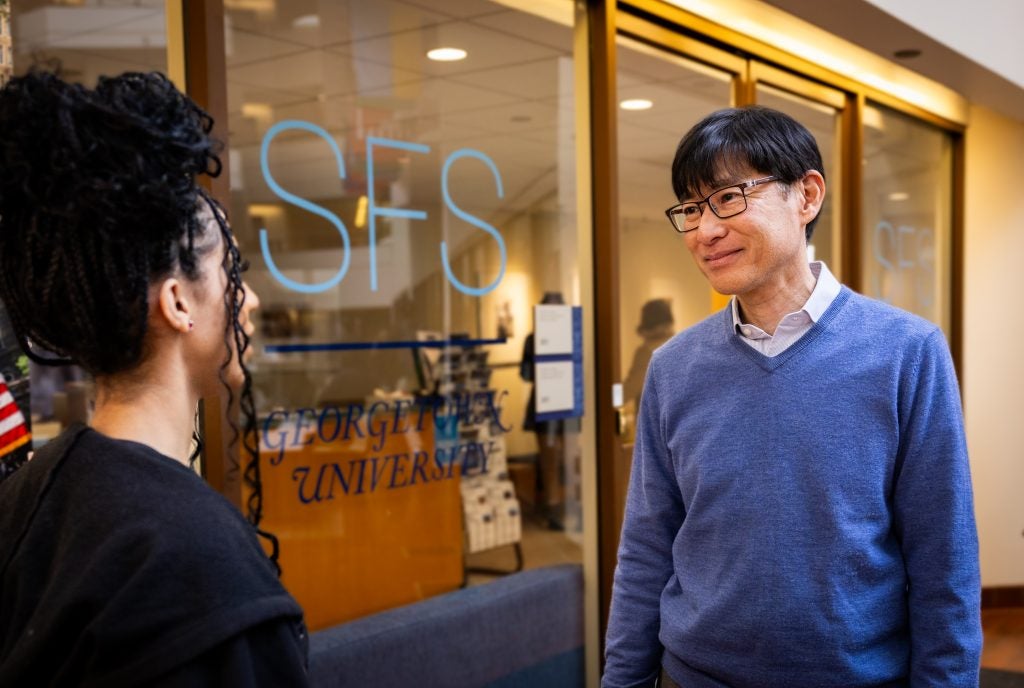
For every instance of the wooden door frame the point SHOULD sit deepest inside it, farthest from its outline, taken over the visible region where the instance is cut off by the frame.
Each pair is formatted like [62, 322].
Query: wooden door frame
[197, 63]
[601, 19]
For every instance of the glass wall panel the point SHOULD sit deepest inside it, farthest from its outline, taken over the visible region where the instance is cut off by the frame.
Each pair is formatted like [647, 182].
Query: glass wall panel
[91, 38]
[824, 123]
[661, 289]
[404, 214]
[88, 40]
[907, 205]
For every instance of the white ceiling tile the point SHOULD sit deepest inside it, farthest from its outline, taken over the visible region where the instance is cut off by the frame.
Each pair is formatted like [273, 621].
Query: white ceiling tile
[528, 80]
[461, 9]
[532, 28]
[487, 49]
[243, 47]
[336, 22]
[315, 72]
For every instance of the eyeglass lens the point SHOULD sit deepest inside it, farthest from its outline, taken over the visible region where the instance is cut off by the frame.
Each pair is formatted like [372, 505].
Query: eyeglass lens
[724, 203]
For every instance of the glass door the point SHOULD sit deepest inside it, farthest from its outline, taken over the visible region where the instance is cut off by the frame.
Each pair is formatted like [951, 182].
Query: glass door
[907, 230]
[821, 110]
[660, 95]
[403, 179]
[665, 84]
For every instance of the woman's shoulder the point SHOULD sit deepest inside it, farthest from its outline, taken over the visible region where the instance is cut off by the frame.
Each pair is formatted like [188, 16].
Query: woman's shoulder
[123, 508]
[138, 552]
[148, 497]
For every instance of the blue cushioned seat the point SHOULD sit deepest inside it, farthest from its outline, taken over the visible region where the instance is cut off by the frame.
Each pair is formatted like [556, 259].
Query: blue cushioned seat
[521, 631]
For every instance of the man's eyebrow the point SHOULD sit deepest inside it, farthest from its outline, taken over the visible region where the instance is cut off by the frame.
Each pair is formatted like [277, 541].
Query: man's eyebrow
[731, 180]
[714, 186]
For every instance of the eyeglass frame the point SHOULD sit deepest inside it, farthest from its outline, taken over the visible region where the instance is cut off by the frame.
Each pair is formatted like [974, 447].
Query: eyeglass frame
[742, 186]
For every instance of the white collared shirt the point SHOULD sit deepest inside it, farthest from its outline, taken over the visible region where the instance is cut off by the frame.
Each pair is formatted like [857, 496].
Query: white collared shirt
[795, 325]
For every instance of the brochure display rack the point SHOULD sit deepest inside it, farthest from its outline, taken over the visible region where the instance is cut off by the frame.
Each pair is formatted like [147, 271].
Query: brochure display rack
[491, 511]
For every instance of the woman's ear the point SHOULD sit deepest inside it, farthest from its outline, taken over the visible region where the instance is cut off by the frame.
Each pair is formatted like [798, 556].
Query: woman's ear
[173, 306]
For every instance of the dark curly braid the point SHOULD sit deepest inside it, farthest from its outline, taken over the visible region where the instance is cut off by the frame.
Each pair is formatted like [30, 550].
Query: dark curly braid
[238, 340]
[98, 198]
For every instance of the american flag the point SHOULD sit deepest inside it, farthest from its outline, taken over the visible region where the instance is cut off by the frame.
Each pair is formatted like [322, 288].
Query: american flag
[14, 433]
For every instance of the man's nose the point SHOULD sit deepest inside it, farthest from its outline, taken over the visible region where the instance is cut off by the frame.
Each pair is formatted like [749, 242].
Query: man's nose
[711, 226]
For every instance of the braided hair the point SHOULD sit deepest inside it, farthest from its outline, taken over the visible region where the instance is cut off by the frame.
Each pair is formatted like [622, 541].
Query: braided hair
[234, 300]
[98, 198]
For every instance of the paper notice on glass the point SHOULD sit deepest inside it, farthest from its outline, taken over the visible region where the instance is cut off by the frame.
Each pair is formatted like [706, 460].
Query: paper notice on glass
[555, 386]
[553, 330]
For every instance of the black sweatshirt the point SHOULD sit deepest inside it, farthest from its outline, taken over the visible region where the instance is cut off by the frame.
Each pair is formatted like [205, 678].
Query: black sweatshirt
[120, 567]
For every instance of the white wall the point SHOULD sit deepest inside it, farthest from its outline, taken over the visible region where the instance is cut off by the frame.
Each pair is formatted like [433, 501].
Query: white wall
[993, 366]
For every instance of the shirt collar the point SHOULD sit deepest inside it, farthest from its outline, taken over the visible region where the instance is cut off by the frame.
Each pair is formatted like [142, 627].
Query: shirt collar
[826, 289]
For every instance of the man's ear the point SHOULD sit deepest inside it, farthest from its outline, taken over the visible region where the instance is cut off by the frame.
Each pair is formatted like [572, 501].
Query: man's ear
[173, 306]
[812, 187]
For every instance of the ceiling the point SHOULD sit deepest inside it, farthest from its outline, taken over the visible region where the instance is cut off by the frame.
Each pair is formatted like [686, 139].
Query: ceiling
[863, 23]
[359, 69]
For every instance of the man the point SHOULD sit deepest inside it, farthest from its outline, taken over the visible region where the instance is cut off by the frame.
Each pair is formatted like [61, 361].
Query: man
[800, 510]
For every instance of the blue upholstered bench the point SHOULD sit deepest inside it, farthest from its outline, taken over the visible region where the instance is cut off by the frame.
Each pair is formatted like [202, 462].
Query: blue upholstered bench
[521, 631]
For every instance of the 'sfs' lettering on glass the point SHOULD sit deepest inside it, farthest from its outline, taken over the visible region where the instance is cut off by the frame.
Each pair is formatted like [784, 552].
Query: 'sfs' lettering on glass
[374, 211]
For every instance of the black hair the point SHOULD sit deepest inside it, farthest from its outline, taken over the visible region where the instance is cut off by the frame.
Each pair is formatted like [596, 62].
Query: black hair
[234, 300]
[99, 198]
[765, 140]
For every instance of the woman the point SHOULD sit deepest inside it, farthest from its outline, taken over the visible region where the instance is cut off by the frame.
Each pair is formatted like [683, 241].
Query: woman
[118, 565]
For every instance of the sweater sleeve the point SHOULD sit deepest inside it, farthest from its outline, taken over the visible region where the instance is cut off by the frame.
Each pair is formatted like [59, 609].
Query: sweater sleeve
[654, 514]
[934, 521]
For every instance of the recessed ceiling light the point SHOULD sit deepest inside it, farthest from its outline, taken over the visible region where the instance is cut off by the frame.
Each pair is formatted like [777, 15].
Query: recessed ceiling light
[447, 54]
[899, 196]
[906, 53]
[306, 21]
[636, 104]
[257, 111]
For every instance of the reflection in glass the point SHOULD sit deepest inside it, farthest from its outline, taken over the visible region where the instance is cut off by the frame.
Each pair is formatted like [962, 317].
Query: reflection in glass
[661, 290]
[823, 121]
[391, 202]
[907, 231]
[654, 262]
[88, 41]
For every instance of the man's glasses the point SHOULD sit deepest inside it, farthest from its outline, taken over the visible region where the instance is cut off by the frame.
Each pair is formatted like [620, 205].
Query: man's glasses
[725, 202]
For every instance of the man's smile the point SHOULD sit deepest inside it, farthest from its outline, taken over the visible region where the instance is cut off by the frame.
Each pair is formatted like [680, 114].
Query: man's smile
[721, 257]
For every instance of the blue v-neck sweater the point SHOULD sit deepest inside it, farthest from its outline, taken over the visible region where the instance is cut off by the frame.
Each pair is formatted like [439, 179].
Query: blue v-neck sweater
[800, 520]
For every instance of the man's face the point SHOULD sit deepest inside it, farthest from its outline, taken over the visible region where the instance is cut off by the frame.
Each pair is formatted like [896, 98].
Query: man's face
[755, 254]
